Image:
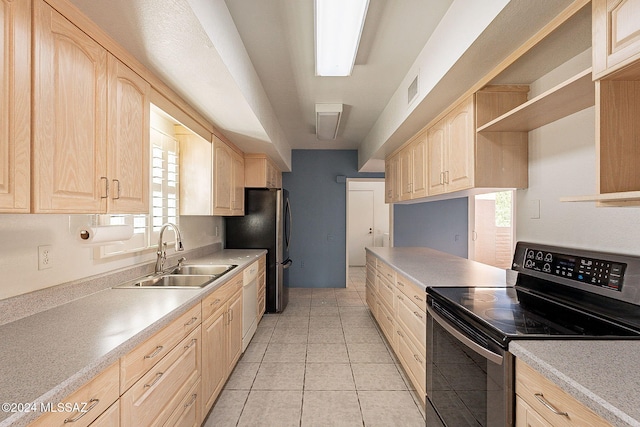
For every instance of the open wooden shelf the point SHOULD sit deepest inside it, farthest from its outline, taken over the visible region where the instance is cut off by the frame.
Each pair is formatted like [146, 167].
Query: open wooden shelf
[612, 199]
[571, 96]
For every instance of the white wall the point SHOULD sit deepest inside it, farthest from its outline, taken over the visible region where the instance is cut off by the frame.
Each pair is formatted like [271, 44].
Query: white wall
[562, 163]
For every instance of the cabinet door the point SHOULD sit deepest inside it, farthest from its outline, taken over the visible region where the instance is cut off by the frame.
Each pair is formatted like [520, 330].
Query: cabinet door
[128, 140]
[15, 76]
[418, 165]
[214, 366]
[234, 349]
[237, 202]
[436, 140]
[405, 173]
[397, 184]
[222, 182]
[196, 174]
[616, 34]
[69, 117]
[388, 181]
[459, 155]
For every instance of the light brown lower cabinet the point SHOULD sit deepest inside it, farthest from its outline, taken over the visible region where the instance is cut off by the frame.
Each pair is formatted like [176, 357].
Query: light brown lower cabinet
[222, 339]
[399, 307]
[153, 399]
[98, 395]
[540, 402]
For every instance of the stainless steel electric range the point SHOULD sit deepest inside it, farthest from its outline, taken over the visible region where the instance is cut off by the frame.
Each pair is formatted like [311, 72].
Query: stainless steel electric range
[560, 293]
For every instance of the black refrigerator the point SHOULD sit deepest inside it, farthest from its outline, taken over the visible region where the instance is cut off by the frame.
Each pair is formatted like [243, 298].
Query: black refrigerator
[266, 224]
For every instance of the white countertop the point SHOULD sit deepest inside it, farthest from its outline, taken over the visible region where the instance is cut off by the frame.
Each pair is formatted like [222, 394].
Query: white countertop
[46, 356]
[428, 267]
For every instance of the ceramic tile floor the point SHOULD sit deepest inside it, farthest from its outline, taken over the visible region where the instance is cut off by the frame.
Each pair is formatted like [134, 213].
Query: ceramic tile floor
[322, 362]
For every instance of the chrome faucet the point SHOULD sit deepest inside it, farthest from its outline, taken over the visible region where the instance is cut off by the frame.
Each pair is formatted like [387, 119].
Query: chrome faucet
[162, 247]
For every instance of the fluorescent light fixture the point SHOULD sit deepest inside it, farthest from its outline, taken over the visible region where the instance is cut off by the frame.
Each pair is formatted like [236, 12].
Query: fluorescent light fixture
[327, 121]
[338, 26]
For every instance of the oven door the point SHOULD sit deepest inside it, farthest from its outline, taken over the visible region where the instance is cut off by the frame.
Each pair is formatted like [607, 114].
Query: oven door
[469, 378]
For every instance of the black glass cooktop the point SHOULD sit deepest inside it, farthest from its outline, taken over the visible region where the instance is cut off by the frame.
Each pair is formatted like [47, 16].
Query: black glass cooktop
[508, 313]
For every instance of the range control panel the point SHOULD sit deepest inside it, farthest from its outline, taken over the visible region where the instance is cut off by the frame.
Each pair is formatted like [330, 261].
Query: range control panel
[596, 272]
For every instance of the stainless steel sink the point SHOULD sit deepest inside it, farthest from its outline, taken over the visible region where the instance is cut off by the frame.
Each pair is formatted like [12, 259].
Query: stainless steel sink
[185, 276]
[204, 269]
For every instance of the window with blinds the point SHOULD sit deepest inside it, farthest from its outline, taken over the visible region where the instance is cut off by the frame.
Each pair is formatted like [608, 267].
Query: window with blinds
[164, 203]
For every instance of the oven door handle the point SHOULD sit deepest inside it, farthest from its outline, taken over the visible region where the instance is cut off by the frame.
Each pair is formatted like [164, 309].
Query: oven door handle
[495, 358]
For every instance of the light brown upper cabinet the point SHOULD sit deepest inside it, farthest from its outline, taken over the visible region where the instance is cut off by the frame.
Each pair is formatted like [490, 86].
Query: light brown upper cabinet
[196, 173]
[15, 73]
[393, 184]
[261, 172]
[91, 124]
[616, 35]
[228, 188]
[412, 162]
[451, 152]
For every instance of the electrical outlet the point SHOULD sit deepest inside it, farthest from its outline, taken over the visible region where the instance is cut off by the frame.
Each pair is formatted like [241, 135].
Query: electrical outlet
[45, 257]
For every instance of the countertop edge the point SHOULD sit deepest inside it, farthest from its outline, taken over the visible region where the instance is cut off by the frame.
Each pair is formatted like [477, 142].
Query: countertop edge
[88, 372]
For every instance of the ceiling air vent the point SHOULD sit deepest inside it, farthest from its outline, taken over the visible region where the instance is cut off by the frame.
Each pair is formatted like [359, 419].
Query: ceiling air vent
[412, 91]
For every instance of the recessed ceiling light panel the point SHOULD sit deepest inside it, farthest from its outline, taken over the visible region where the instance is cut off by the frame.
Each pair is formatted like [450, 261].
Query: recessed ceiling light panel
[338, 27]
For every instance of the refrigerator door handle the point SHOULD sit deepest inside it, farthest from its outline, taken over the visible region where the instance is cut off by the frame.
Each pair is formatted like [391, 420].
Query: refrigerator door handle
[287, 263]
[288, 225]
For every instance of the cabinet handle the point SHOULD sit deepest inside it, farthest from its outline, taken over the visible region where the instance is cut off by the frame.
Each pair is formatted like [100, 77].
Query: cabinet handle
[93, 402]
[416, 297]
[400, 298]
[415, 356]
[155, 380]
[441, 178]
[230, 315]
[155, 353]
[216, 301]
[400, 284]
[548, 405]
[116, 184]
[389, 319]
[191, 322]
[192, 401]
[106, 187]
[191, 344]
[400, 333]
[417, 314]
[446, 174]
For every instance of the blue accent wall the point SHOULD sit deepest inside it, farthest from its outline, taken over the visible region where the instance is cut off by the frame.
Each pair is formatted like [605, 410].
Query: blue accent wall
[442, 225]
[318, 206]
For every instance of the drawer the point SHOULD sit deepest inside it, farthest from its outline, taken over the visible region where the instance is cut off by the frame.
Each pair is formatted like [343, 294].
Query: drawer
[412, 291]
[413, 321]
[110, 417]
[187, 414]
[217, 299]
[370, 295]
[386, 291]
[413, 361]
[386, 322]
[98, 394]
[538, 392]
[386, 271]
[371, 261]
[152, 399]
[135, 364]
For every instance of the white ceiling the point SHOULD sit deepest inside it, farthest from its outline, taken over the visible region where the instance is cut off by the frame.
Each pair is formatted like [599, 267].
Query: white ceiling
[248, 65]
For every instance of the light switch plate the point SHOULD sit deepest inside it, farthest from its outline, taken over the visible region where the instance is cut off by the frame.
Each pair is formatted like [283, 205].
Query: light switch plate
[534, 209]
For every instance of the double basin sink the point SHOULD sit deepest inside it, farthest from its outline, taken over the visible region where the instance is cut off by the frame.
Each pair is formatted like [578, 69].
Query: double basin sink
[183, 276]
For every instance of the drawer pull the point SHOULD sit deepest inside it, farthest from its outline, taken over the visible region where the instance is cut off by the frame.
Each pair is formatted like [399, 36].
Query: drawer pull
[155, 353]
[400, 284]
[417, 314]
[548, 405]
[192, 401]
[388, 318]
[193, 341]
[400, 298]
[191, 322]
[415, 356]
[400, 333]
[155, 380]
[418, 298]
[216, 301]
[93, 402]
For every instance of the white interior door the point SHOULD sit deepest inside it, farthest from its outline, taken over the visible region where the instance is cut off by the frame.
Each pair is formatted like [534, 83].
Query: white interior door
[492, 234]
[361, 226]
